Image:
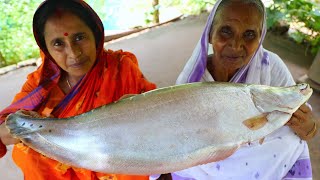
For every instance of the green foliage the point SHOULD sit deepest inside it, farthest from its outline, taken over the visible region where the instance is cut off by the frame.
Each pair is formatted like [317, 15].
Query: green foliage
[16, 38]
[98, 6]
[149, 14]
[295, 12]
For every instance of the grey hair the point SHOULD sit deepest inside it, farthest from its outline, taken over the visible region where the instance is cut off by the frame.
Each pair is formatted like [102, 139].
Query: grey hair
[258, 3]
[225, 3]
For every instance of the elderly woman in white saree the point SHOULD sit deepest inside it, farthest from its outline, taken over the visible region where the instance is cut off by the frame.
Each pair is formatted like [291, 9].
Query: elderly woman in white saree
[235, 31]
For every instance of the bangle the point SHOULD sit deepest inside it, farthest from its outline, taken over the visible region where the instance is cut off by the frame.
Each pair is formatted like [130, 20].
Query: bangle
[312, 132]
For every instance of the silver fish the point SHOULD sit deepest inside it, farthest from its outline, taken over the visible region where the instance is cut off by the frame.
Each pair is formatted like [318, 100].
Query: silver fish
[164, 130]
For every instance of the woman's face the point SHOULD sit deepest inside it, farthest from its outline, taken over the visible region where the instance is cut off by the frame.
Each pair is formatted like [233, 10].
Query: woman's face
[236, 35]
[71, 43]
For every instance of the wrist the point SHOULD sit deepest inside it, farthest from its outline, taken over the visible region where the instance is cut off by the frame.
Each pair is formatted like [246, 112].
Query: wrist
[312, 132]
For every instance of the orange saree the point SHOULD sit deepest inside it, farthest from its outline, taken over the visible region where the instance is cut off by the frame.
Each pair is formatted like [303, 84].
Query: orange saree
[116, 74]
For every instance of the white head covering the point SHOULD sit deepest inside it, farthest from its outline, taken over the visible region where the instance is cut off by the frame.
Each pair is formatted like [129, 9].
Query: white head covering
[195, 68]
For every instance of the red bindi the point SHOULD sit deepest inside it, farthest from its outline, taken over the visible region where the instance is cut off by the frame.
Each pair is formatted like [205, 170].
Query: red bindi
[66, 34]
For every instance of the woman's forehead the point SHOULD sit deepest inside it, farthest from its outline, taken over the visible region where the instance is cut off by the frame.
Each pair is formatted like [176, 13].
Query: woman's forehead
[243, 13]
[64, 23]
[58, 15]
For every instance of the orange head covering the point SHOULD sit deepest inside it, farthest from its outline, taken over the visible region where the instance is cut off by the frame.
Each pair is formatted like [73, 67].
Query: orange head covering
[49, 72]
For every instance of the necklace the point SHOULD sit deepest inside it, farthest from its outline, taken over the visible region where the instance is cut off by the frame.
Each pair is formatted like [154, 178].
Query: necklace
[69, 84]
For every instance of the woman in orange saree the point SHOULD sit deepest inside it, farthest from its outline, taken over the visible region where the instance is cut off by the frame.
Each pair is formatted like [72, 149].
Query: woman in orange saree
[77, 75]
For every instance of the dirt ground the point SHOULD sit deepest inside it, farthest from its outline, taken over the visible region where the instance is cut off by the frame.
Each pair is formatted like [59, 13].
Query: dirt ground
[162, 53]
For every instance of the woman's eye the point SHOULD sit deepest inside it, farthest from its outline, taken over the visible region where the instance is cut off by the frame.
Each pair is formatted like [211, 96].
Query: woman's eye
[226, 31]
[249, 35]
[58, 43]
[79, 37]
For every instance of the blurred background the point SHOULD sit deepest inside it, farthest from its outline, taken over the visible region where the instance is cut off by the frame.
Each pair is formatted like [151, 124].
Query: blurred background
[297, 19]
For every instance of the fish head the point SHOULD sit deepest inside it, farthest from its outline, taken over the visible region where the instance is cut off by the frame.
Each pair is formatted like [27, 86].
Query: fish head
[284, 99]
[22, 123]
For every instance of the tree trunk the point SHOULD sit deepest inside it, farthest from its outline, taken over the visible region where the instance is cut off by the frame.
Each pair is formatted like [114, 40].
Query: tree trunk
[2, 60]
[155, 4]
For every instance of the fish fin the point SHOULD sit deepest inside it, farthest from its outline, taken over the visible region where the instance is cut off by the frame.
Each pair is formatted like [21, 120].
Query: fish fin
[261, 140]
[256, 122]
[279, 117]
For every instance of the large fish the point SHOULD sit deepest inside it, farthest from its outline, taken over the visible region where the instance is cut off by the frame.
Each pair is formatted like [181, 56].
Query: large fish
[164, 130]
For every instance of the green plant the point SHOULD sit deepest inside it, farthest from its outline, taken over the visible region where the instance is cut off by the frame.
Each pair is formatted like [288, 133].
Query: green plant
[16, 39]
[305, 15]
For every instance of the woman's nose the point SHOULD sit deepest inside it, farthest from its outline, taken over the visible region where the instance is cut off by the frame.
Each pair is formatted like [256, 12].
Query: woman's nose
[236, 43]
[74, 51]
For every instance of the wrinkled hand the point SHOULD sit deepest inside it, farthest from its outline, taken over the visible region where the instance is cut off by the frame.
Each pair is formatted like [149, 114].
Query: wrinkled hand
[302, 123]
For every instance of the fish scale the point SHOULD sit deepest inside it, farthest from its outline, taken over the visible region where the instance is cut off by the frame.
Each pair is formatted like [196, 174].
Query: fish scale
[164, 130]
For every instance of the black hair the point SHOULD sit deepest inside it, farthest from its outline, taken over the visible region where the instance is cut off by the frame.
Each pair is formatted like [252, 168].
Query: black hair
[51, 7]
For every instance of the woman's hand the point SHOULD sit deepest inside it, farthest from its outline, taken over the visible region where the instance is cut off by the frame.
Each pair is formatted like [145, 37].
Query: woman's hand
[6, 137]
[303, 123]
